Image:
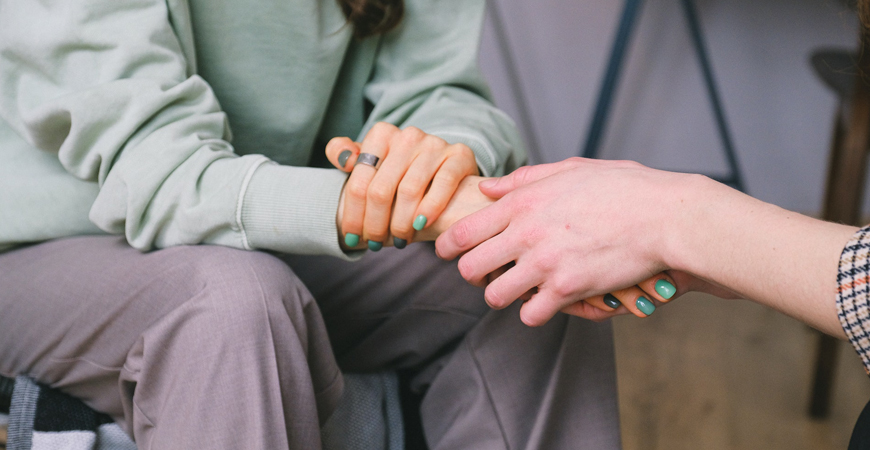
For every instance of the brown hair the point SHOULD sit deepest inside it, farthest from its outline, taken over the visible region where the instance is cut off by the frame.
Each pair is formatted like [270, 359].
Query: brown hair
[371, 17]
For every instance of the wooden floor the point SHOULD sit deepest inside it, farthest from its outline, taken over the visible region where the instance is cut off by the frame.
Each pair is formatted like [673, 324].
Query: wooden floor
[705, 373]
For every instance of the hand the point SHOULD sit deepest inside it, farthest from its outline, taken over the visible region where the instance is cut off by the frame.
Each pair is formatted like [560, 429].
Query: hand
[417, 176]
[575, 230]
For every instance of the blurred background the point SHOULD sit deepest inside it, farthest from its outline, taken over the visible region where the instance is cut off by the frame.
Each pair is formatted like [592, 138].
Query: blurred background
[702, 372]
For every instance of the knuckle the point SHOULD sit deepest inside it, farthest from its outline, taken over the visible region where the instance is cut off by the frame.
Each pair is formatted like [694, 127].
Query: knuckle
[466, 268]
[356, 190]
[413, 132]
[411, 187]
[380, 193]
[383, 127]
[401, 229]
[494, 298]
[408, 137]
[461, 234]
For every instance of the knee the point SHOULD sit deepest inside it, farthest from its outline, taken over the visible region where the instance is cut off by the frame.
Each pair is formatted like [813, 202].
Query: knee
[241, 291]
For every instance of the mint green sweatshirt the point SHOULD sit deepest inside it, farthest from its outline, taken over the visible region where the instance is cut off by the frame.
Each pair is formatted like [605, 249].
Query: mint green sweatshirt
[116, 116]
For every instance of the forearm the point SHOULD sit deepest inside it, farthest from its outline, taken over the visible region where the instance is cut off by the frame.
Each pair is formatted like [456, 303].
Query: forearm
[775, 257]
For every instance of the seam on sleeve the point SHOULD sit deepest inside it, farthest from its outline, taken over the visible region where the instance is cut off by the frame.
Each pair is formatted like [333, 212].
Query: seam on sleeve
[247, 181]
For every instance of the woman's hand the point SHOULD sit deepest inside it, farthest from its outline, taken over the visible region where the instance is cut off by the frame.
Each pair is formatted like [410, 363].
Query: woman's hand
[566, 246]
[415, 179]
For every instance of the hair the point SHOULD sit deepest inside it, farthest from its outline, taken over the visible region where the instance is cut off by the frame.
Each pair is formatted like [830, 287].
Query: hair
[372, 17]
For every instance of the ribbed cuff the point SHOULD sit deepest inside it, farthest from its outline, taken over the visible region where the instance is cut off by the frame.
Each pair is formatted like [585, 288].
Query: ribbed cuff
[292, 210]
[853, 293]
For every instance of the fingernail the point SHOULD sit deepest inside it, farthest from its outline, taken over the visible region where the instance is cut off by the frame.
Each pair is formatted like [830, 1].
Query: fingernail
[351, 240]
[399, 243]
[343, 157]
[645, 306]
[420, 222]
[486, 184]
[665, 289]
[375, 246]
[611, 301]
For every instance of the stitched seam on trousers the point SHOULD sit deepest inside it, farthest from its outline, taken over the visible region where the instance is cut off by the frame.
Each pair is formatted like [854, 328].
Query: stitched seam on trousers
[489, 395]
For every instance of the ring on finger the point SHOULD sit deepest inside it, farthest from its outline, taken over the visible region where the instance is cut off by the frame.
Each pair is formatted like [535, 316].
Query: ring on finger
[368, 159]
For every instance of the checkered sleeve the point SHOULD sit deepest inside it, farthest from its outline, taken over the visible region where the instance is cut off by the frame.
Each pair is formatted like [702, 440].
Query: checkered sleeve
[853, 293]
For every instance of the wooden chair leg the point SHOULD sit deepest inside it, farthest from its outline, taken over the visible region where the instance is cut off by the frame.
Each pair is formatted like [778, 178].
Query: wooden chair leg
[823, 380]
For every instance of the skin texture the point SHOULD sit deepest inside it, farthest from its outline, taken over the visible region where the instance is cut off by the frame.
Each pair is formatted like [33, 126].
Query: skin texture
[418, 174]
[579, 228]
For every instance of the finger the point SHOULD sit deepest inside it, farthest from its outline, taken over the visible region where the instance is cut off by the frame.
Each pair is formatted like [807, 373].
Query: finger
[473, 229]
[342, 153]
[660, 287]
[459, 164]
[499, 187]
[607, 303]
[586, 310]
[636, 301]
[410, 192]
[513, 284]
[356, 188]
[379, 197]
[543, 306]
[476, 265]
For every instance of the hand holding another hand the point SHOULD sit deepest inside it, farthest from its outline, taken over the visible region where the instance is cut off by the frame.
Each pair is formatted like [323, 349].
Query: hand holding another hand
[411, 185]
[575, 230]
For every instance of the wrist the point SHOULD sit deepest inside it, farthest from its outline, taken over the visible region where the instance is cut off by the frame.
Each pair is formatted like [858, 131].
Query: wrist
[691, 218]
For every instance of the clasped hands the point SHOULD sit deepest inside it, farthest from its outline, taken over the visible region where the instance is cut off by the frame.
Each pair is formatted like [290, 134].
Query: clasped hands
[422, 186]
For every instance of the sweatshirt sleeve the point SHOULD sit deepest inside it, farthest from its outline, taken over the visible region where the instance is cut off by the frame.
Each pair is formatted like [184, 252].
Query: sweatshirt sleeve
[853, 293]
[110, 87]
[426, 75]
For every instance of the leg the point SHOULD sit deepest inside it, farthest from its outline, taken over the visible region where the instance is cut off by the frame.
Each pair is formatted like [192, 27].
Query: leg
[189, 347]
[493, 383]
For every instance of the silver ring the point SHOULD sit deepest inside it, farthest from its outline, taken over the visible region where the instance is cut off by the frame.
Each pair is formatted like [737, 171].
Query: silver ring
[368, 159]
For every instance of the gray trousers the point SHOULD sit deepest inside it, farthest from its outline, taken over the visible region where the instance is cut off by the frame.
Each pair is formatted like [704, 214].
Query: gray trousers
[210, 347]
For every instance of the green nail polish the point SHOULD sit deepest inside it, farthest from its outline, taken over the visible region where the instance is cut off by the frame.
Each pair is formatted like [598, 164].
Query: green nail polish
[351, 240]
[611, 301]
[420, 222]
[343, 157]
[399, 243]
[375, 246]
[645, 306]
[665, 289]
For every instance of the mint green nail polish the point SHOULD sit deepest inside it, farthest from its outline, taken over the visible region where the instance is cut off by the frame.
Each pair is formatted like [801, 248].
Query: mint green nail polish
[351, 240]
[399, 243]
[420, 222]
[645, 306]
[343, 157]
[375, 246]
[665, 289]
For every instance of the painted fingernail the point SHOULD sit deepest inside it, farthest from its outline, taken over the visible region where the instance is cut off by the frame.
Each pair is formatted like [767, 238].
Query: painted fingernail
[645, 306]
[343, 157]
[399, 243]
[665, 289]
[375, 246]
[611, 301]
[420, 222]
[351, 240]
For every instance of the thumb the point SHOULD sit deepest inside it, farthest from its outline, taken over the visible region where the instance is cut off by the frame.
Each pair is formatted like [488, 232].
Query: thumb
[342, 152]
[499, 187]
